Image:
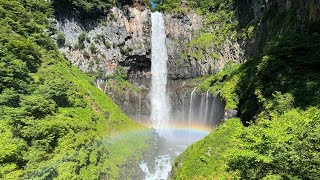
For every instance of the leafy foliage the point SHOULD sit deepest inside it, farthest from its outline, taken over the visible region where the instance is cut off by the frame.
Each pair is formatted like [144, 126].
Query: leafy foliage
[53, 123]
[286, 147]
[276, 94]
[225, 83]
[219, 28]
[170, 6]
[90, 9]
[206, 159]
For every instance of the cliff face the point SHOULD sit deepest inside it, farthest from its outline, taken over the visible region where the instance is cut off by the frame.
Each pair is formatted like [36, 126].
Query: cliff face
[276, 18]
[123, 39]
[180, 30]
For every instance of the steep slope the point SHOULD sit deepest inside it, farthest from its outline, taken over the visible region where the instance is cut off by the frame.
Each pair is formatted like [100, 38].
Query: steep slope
[54, 123]
[276, 95]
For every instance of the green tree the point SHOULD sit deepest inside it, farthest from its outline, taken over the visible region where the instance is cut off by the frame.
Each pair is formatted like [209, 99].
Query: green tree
[38, 106]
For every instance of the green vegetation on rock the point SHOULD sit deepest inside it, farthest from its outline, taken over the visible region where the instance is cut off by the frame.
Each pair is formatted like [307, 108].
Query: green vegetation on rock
[225, 83]
[54, 124]
[284, 146]
[276, 93]
[206, 159]
[90, 9]
[219, 26]
[288, 65]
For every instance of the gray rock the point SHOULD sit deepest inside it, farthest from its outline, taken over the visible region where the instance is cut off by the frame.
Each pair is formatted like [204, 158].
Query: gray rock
[230, 113]
[119, 39]
[123, 38]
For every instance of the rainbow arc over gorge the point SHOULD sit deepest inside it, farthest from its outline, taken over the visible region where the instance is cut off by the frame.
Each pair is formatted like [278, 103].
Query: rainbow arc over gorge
[178, 132]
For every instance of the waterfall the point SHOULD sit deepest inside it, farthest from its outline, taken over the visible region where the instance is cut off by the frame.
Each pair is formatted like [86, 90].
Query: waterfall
[159, 98]
[105, 88]
[175, 137]
[160, 106]
[202, 110]
[213, 110]
[207, 106]
[182, 109]
[97, 83]
[191, 108]
[139, 107]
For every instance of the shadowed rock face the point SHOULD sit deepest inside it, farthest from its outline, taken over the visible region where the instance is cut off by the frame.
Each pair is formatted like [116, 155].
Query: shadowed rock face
[305, 16]
[180, 30]
[123, 38]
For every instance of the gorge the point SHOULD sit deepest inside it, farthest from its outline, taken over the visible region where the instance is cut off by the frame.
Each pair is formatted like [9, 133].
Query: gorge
[131, 29]
[168, 89]
[176, 134]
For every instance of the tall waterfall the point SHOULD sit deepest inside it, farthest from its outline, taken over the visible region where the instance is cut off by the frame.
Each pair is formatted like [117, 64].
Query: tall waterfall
[160, 105]
[175, 135]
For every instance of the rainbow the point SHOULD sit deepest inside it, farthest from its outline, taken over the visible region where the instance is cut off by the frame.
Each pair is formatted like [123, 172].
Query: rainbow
[179, 131]
[184, 126]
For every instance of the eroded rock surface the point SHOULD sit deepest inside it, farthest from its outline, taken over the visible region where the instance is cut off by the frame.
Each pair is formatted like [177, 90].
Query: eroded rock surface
[123, 38]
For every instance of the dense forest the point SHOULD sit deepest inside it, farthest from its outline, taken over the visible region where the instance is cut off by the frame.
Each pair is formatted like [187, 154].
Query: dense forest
[54, 124]
[275, 92]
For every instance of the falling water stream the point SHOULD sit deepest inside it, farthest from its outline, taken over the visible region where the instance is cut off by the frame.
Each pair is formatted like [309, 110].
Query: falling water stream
[178, 127]
[176, 135]
[159, 98]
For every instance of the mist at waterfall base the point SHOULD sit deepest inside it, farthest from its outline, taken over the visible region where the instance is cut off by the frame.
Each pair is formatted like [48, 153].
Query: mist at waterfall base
[195, 118]
[177, 128]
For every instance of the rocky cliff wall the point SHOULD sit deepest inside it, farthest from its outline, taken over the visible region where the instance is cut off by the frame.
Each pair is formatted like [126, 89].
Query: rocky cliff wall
[275, 18]
[123, 38]
[180, 30]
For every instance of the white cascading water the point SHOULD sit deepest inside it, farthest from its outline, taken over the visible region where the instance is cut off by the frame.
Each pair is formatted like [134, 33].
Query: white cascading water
[198, 112]
[206, 110]
[159, 98]
[191, 108]
[139, 107]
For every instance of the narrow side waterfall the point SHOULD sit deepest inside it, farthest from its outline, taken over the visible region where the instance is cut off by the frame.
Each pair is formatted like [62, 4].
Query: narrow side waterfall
[206, 110]
[160, 105]
[191, 108]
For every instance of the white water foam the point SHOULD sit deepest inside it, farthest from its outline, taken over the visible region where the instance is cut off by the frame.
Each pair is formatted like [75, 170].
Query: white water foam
[174, 141]
[159, 98]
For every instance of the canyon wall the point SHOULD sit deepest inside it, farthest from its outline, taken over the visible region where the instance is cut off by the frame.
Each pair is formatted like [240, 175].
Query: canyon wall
[275, 18]
[122, 38]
